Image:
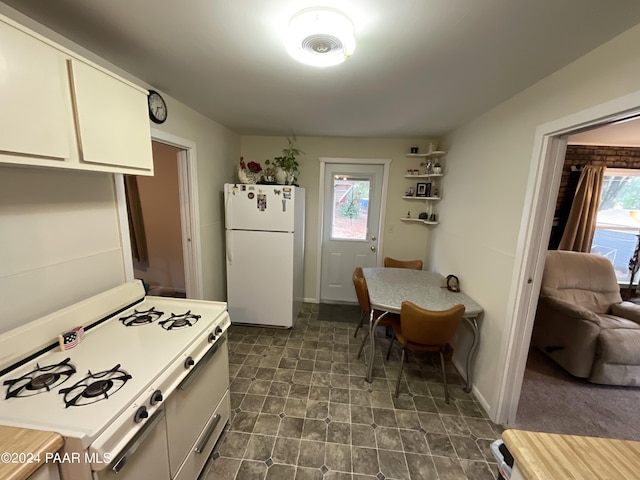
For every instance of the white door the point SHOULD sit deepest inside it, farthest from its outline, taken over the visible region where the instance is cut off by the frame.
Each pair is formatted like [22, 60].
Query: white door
[351, 223]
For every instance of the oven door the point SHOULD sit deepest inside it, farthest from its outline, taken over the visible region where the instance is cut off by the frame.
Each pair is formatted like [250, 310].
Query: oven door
[196, 413]
[145, 456]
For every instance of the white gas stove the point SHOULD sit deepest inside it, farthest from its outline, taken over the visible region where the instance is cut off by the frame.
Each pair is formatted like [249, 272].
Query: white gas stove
[143, 394]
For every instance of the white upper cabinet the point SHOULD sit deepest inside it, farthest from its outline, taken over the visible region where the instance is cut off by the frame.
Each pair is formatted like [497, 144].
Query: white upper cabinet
[112, 119]
[36, 117]
[60, 110]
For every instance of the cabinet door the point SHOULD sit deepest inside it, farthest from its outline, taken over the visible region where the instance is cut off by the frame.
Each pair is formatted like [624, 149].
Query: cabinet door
[111, 118]
[35, 118]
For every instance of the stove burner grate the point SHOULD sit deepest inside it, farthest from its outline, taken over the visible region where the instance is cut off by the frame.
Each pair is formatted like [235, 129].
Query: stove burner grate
[183, 320]
[40, 380]
[141, 318]
[95, 387]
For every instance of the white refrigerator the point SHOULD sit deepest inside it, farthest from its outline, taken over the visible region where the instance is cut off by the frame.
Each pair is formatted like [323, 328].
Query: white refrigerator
[265, 253]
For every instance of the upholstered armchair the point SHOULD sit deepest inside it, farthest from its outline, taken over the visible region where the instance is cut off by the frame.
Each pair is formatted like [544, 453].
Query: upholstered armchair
[583, 324]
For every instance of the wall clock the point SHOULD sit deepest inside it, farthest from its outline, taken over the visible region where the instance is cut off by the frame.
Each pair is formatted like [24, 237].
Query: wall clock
[157, 107]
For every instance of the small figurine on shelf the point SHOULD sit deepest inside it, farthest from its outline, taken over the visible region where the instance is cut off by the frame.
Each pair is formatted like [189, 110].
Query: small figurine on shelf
[409, 214]
[409, 192]
[433, 217]
[437, 168]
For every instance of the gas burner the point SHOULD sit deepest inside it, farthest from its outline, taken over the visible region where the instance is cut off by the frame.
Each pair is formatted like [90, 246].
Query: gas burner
[183, 320]
[40, 380]
[141, 318]
[95, 387]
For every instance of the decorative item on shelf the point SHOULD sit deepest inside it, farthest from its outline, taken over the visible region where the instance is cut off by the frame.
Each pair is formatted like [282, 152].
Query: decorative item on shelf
[410, 192]
[249, 172]
[428, 167]
[409, 214]
[423, 216]
[433, 217]
[414, 149]
[437, 168]
[421, 190]
[288, 162]
[436, 191]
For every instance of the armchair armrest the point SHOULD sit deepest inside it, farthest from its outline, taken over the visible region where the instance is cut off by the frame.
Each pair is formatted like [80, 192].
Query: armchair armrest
[627, 310]
[571, 310]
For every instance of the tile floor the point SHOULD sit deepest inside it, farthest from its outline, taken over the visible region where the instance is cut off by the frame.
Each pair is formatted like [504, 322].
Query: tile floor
[301, 410]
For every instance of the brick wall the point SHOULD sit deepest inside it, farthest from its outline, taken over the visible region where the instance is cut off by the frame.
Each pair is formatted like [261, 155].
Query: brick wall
[578, 156]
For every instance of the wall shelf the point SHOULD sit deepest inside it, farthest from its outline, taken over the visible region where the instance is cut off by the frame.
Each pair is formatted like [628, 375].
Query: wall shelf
[418, 220]
[425, 175]
[420, 198]
[435, 153]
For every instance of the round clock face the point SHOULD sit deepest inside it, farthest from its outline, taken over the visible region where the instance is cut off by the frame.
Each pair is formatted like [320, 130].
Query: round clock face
[157, 107]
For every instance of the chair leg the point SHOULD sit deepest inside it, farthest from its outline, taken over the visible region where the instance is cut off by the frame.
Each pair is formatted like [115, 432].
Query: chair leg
[390, 345]
[400, 374]
[364, 340]
[444, 378]
[362, 316]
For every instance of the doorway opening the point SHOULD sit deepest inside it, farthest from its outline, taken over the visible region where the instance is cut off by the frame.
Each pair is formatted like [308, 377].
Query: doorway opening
[163, 221]
[542, 191]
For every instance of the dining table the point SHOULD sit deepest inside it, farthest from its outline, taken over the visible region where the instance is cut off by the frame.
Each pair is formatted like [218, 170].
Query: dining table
[389, 287]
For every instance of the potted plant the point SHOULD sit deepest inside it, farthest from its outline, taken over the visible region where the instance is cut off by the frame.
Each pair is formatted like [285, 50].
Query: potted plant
[288, 162]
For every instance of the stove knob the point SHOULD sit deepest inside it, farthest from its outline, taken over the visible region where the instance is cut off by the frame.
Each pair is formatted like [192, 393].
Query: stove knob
[218, 330]
[141, 414]
[156, 397]
[212, 337]
[189, 362]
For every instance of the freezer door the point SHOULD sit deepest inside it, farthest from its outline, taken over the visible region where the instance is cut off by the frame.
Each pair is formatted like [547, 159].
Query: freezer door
[259, 207]
[260, 276]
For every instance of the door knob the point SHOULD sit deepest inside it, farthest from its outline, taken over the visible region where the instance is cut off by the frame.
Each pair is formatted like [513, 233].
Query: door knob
[373, 239]
[373, 248]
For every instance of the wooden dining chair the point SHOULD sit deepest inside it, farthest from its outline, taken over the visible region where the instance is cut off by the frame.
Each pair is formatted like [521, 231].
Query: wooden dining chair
[427, 331]
[412, 264]
[362, 292]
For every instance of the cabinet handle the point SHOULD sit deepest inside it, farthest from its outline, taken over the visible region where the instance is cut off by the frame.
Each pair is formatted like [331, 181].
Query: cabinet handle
[203, 443]
[121, 461]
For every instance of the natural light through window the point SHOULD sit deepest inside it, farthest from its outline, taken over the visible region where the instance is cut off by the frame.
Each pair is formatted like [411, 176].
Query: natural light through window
[350, 208]
[617, 232]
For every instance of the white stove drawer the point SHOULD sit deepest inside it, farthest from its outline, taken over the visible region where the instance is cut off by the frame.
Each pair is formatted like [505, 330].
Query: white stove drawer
[206, 441]
[189, 407]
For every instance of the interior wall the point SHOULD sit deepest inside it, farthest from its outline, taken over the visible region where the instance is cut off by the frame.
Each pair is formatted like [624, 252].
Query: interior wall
[160, 204]
[57, 229]
[489, 166]
[401, 239]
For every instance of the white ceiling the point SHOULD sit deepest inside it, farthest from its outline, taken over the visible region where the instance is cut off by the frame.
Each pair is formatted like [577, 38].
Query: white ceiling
[621, 134]
[420, 69]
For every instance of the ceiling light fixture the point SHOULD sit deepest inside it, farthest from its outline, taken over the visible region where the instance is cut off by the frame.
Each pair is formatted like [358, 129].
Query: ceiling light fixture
[320, 37]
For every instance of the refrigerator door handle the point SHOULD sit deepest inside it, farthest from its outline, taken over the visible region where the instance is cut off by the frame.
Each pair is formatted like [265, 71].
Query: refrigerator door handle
[227, 210]
[229, 246]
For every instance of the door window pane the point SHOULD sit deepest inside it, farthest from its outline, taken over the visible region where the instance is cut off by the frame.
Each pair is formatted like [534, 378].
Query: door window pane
[350, 208]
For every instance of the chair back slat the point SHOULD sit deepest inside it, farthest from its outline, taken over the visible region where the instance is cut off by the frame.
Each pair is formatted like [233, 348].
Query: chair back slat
[429, 327]
[411, 264]
[362, 292]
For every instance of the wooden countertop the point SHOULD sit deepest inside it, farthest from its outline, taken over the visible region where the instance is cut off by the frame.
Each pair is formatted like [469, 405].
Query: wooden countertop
[22, 440]
[547, 456]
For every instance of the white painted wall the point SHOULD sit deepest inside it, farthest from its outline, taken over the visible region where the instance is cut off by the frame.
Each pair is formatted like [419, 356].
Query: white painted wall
[489, 161]
[401, 240]
[59, 239]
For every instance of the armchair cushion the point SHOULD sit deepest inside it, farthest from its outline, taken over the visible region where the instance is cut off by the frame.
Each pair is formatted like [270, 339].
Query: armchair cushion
[583, 324]
[627, 310]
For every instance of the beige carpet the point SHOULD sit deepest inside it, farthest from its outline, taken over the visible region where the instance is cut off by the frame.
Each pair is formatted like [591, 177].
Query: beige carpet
[554, 401]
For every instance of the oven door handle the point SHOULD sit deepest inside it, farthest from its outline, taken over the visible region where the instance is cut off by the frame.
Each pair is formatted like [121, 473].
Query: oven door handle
[205, 439]
[142, 435]
[193, 374]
